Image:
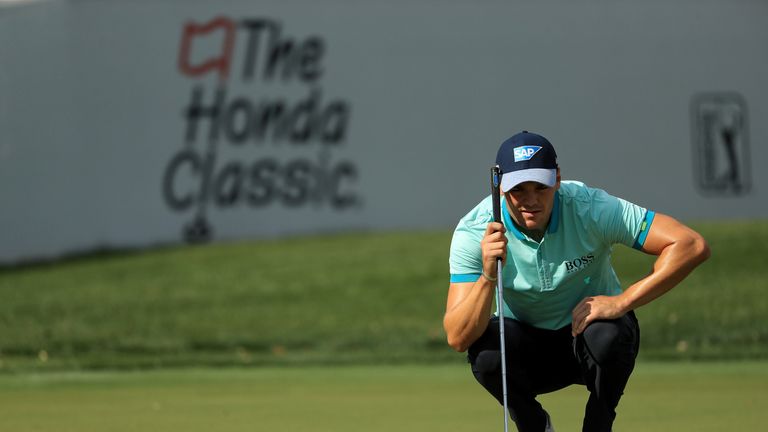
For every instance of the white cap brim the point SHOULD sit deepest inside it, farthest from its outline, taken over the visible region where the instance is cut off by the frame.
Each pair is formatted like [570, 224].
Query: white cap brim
[539, 175]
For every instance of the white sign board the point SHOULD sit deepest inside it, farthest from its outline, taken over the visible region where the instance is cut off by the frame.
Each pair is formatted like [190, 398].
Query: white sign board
[130, 124]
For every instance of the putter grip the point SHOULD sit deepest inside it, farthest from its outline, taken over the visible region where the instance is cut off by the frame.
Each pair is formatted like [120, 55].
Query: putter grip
[495, 193]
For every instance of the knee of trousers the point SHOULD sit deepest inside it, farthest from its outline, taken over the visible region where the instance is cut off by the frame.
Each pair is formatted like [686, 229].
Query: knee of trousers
[487, 362]
[485, 355]
[611, 340]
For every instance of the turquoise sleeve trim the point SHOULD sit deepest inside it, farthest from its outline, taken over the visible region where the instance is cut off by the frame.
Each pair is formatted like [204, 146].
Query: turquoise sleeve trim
[644, 228]
[459, 278]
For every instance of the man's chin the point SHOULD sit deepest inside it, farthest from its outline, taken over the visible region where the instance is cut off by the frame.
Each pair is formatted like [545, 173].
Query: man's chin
[533, 225]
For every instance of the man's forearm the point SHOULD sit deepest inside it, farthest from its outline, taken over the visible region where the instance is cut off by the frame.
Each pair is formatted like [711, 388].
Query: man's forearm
[468, 319]
[672, 266]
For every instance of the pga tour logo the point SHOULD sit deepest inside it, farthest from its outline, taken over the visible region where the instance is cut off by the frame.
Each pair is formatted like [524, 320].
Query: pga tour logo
[525, 153]
[720, 135]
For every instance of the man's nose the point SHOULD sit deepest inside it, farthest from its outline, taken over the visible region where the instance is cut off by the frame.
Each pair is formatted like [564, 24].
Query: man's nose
[528, 199]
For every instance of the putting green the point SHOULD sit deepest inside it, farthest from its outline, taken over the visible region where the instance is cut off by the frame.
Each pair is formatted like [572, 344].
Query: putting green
[661, 397]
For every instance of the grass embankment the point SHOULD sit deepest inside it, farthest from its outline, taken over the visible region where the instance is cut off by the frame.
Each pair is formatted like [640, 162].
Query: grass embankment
[336, 299]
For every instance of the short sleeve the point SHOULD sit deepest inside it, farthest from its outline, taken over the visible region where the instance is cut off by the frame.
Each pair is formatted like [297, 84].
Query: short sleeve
[620, 221]
[466, 261]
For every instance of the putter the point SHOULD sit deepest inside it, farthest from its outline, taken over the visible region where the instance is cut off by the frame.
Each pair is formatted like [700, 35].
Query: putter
[496, 199]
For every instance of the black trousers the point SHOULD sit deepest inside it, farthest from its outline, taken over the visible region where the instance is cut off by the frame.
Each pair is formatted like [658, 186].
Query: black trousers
[542, 361]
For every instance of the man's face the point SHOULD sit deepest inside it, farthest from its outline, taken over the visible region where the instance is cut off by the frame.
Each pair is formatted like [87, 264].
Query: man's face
[530, 204]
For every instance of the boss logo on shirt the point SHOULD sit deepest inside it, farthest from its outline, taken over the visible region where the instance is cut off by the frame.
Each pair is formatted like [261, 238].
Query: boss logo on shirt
[579, 263]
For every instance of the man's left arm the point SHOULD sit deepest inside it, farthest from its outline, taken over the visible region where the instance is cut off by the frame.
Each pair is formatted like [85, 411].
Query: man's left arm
[679, 250]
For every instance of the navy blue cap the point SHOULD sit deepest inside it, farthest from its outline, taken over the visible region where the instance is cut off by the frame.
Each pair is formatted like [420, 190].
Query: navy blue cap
[526, 157]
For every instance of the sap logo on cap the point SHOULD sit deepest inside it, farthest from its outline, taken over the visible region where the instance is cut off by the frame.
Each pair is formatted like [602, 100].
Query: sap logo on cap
[525, 153]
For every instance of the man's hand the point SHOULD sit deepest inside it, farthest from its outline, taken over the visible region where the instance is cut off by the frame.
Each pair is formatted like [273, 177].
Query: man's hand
[679, 250]
[469, 303]
[595, 308]
[493, 246]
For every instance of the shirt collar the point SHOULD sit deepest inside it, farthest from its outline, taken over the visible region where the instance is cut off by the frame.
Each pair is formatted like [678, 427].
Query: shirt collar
[508, 221]
[554, 219]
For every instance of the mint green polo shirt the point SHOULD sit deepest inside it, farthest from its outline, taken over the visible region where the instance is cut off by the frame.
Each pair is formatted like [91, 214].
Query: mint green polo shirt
[544, 281]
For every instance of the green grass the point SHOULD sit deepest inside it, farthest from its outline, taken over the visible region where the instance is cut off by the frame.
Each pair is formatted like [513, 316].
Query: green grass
[358, 298]
[701, 397]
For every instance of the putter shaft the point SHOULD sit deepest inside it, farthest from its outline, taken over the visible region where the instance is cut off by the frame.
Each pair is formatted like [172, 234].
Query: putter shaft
[500, 303]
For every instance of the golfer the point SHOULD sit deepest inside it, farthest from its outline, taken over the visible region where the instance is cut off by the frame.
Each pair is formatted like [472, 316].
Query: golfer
[567, 319]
